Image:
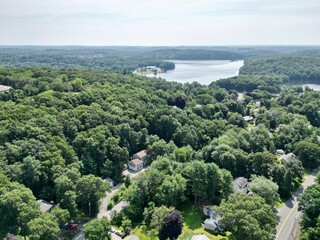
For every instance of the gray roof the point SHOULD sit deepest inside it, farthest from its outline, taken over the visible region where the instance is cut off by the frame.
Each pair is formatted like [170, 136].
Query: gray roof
[240, 184]
[248, 118]
[200, 237]
[44, 206]
[4, 88]
[288, 156]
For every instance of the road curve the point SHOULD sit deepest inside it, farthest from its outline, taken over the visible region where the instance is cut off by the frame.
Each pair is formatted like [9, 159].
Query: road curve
[288, 215]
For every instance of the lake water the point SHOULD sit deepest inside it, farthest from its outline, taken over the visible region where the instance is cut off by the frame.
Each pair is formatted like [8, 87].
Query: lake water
[201, 71]
[315, 87]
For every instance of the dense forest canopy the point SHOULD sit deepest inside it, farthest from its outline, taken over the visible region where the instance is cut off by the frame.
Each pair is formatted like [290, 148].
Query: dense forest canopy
[300, 67]
[64, 129]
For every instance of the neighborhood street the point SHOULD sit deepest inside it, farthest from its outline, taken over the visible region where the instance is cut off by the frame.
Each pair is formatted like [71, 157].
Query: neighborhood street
[288, 215]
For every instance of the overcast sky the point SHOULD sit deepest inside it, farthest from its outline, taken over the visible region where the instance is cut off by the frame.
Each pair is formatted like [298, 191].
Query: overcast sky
[159, 22]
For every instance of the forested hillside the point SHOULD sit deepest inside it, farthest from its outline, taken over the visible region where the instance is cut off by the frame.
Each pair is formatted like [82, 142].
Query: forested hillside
[300, 67]
[78, 58]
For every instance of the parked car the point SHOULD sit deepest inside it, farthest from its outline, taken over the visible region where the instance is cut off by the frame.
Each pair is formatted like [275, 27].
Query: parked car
[70, 226]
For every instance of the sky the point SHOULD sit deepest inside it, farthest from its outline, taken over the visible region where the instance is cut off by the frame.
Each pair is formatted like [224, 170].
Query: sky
[159, 22]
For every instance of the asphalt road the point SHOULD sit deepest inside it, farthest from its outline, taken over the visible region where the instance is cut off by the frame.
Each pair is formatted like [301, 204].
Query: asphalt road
[288, 215]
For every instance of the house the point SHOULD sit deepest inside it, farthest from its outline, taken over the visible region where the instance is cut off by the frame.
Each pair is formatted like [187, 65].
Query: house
[248, 118]
[200, 237]
[211, 224]
[135, 165]
[280, 152]
[4, 88]
[240, 184]
[110, 181]
[288, 157]
[44, 205]
[142, 155]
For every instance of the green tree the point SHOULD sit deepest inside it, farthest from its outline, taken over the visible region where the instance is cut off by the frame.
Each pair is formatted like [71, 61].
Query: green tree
[97, 229]
[308, 153]
[158, 215]
[89, 191]
[265, 188]
[43, 228]
[247, 217]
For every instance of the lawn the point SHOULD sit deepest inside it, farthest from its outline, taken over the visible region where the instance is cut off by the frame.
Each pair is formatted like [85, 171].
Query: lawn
[193, 216]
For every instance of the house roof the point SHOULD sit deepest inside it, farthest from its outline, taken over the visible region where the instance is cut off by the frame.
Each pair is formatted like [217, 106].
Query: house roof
[280, 151]
[288, 156]
[141, 154]
[240, 184]
[135, 161]
[44, 206]
[4, 88]
[200, 237]
[248, 118]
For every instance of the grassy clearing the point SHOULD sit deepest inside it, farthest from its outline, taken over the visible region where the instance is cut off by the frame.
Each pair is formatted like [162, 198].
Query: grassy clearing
[193, 216]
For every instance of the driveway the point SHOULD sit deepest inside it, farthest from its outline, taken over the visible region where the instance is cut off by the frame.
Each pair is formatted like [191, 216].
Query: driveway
[288, 216]
[103, 211]
[133, 174]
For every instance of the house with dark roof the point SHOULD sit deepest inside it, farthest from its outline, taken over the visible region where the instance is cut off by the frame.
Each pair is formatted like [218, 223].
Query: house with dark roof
[142, 155]
[135, 165]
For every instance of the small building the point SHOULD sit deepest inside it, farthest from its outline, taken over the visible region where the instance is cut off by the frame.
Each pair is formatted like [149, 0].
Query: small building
[200, 237]
[142, 155]
[44, 205]
[280, 152]
[240, 184]
[135, 165]
[4, 88]
[258, 104]
[211, 224]
[111, 182]
[248, 118]
[288, 157]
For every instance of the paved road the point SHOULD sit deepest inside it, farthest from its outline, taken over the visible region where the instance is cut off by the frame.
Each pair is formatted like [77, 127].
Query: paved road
[288, 215]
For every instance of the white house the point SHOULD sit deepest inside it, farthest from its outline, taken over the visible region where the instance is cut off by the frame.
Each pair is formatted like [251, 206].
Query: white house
[135, 164]
[142, 155]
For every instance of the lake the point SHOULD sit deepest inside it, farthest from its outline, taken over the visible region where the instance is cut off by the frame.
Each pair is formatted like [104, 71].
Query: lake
[315, 87]
[201, 71]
